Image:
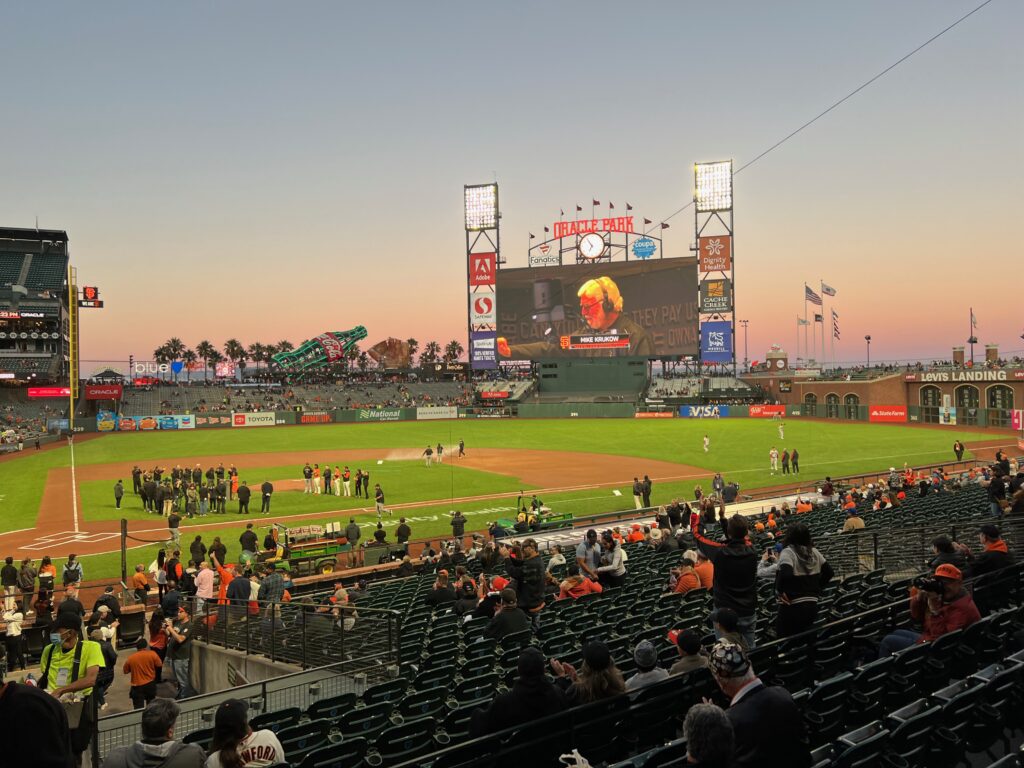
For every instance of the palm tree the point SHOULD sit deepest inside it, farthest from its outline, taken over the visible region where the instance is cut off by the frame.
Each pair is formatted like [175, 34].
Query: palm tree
[215, 357]
[161, 354]
[235, 352]
[284, 346]
[414, 347]
[258, 353]
[452, 351]
[189, 358]
[351, 356]
[175, 347]
[364, 361]
[205, 351]
[430, 352]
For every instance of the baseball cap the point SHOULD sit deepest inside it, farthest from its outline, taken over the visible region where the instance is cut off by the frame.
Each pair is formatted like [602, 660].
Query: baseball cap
[688, 641]
[597, 656]
[948, 571]
[645, 655]
[231, 714]
[104, 609]
[498, 583]
[655, 535]
[728, 660]
[531, 662]
[726, 618]
[508, 597]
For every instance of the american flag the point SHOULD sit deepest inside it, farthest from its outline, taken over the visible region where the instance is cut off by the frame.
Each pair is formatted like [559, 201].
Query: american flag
[811, 296]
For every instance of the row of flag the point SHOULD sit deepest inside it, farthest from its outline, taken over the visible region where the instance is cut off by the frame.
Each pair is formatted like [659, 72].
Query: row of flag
[810, 297]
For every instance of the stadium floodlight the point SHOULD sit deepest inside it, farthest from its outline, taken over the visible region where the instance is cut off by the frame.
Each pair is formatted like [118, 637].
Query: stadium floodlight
[481, 207]
[713, 189]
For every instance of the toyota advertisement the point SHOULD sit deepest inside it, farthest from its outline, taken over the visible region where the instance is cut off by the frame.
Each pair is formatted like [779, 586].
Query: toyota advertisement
[601, 309]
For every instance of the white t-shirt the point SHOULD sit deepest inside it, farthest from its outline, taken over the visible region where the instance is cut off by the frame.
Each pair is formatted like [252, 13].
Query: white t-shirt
[258, 749]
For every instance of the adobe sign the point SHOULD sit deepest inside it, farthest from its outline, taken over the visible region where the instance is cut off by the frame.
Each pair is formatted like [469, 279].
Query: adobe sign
[482, 269]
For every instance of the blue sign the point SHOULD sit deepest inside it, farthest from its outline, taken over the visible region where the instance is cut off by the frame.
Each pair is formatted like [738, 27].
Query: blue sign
[483, 350]
[177, 367]
[716, 342]
[644, 248]
[704, 411]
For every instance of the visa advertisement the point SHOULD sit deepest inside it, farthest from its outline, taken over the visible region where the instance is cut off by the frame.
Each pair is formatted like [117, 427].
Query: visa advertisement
[704, 411]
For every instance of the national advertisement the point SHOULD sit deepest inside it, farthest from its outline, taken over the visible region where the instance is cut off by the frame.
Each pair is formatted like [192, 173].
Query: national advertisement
[704, 411]
[379, 414]
[716, 342]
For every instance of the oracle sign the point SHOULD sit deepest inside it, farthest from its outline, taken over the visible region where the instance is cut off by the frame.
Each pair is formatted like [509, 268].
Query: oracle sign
[494, 395]
[887, 413]
[49, 391]
[103, 392]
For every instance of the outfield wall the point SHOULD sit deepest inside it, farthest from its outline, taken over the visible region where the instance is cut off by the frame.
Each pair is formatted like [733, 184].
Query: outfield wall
[890, 414]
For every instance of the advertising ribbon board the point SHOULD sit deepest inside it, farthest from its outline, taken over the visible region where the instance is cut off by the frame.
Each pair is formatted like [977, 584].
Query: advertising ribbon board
[49, 392]
[203, 422]
[315, 417]
[260, 419]
[492, 394]
[704, 411]
[885, 414]
[432, 412]
[653, 415]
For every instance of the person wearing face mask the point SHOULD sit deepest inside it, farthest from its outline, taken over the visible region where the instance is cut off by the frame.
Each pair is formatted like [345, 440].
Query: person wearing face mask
[70, 665]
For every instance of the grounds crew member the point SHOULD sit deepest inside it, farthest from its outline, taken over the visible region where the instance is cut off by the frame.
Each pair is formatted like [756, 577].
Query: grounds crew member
[118, 494]
[267, 489]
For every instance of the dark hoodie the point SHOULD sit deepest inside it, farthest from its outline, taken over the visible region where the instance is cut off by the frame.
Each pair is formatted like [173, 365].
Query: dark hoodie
[995, 557]
[157, 754]
[531, 698]
[957, 559]
[735, 561]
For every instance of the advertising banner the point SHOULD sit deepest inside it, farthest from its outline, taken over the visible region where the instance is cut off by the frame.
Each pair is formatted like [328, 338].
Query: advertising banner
[947, 416]
[715, 295]
[176, 422]
[767, 411]
[106, 421]
[704, 411]
[716, 341]
[495, 394]
[715, 253]
[1017, 418]
[260, 419]
[481, 269]
[654, 415]
[483, 350]
[204, 422]
[103, 391]
[887, 413]
[379, 414]
[610, 309]
[58, 425]
[135, 424]
[315, 417]
[49, 392]
[432, 412]
[224, 369]
[481, 308]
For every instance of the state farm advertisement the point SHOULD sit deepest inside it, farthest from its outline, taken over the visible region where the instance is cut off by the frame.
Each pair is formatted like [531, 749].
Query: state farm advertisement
[49, 392]
[887, 413]
[103, 391]
[261, 419]
[767, 411]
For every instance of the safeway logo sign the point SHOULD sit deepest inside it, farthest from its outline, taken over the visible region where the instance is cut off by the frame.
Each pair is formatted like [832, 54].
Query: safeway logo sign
[483, 309]
[481, 269]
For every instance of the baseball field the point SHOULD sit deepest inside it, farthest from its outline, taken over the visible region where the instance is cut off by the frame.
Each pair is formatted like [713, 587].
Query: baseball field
[60, 499]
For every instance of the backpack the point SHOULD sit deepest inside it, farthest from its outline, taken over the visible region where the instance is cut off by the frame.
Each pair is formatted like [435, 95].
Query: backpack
[72, 574]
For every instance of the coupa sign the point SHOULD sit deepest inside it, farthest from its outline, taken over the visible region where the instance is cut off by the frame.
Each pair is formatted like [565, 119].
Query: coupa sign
[704, 411]
[155, 369]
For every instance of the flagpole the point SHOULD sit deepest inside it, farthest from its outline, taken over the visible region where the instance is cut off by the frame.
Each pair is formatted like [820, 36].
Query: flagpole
[805, 322]
[798, 337]
[832, 341]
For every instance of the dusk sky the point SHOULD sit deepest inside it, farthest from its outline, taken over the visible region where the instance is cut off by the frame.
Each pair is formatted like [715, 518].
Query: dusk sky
[273, 170]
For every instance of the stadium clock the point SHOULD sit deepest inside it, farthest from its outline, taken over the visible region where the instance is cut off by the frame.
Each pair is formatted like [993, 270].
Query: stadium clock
[591, 246]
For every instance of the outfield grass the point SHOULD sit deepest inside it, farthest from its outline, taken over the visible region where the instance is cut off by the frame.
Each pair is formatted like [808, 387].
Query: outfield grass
[739, 448]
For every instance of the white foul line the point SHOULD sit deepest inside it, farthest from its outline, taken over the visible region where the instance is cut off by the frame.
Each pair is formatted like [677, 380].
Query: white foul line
[74, 483]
